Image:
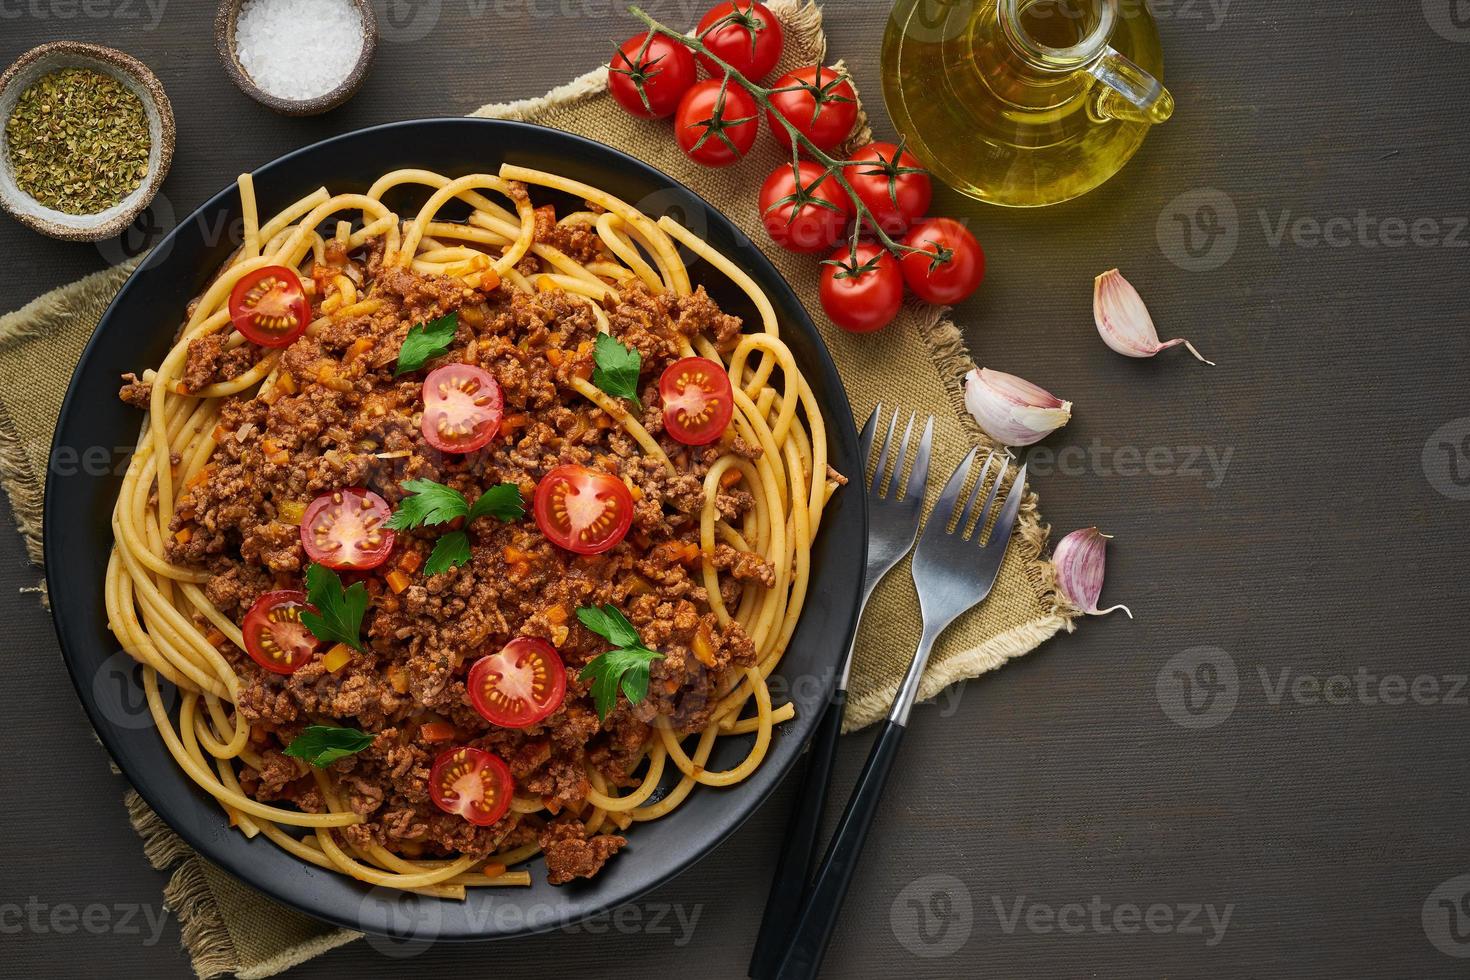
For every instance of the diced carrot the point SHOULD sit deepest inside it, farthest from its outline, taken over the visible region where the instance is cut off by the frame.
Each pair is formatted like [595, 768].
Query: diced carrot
[359, 347]
[703, 647]
[397, 581]
[638, 585]
[410, 561]
[730, 477]
[398, 679]
[519, 571]
[259, 735]
[274, 452]
[219, 433]
[637, 493]
[545, 285]
[556, 615]
[286, 383]
[214, 638]
[337, 657]
[553, 806]
[493, 870]
[201, 476]
[181, 389]
[517, 421]
[671, 685]
[183, 534]
[436, 731]
[514, 555]
[555, 356]
[489, 279]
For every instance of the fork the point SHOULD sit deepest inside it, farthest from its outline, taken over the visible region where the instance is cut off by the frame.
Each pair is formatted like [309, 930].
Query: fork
[893, 524]
[953, 570]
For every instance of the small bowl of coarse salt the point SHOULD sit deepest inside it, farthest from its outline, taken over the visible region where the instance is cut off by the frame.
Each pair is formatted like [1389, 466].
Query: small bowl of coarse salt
[299, 57]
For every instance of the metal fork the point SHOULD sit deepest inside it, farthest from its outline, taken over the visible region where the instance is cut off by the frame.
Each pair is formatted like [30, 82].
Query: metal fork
[953, 572]
[893, 524]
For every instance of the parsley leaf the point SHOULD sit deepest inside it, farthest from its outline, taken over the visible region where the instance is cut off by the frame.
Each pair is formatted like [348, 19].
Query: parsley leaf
[626, 665]
[322, 745]
[450, 551]
[340, 611]
[616, 369]
[502, 501]
[426, 340]
[431, 503]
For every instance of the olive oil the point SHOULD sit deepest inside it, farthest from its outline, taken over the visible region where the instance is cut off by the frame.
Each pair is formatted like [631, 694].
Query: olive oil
[1024, 102]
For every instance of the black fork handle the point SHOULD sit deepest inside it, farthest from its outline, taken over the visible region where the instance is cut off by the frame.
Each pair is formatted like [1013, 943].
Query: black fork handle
[790, 885]
[813, 931]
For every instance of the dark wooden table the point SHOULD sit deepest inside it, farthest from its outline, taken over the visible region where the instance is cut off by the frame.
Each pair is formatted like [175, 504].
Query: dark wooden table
[1291, 531]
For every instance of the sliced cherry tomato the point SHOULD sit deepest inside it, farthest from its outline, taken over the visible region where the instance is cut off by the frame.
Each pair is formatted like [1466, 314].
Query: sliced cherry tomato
[582, 510]
[269, 306]
[520, 685]
[823, 108]
[274, 635]
[861, 293]
[744, 34]
[648, 77]
[891, 185]
[697, 400]
[806, 216]
[472, 783]
[951, 266]
[462, 408]
[344, 529]
[716, 123]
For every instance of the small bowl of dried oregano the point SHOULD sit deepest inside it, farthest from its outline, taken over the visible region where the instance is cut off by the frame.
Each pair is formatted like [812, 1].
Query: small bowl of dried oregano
[86, 137]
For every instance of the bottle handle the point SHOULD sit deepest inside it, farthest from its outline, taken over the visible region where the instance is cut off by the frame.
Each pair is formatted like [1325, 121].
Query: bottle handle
[1129, 93]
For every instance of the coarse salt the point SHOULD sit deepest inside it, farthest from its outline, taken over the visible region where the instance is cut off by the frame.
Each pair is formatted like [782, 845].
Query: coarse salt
[298, 49]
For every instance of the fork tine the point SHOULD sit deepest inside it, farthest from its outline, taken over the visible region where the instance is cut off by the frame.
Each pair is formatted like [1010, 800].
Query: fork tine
[1007, 519]
[903, 455]
[969, 511]
[986, 508]
[944, 507]
[882, 468]
[865, 441]
[919, 476]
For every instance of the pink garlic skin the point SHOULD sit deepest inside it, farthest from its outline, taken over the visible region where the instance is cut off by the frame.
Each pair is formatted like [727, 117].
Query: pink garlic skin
[1079, 559]
[1124, 322]
[1012, 410]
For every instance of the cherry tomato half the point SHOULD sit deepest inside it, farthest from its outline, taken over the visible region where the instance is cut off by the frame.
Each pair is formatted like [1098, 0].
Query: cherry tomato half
[891, 185]
[715, 127]
[269, 306]
[824, 109]
[275, 637]
[697, 400]
[863, 295]
[745, 34]
[582, 510]
[462, 408]
[520, 685]
[472, 783]
[811, 217]
[344, 529]
[649, 77]
[951, 266]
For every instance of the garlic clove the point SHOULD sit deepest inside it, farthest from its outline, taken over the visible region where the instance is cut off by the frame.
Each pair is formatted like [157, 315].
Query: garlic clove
[1012, 410]
[1079, 561]
[1124, 321]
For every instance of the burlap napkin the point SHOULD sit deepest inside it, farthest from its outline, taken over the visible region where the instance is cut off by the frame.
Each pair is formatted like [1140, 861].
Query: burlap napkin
[916, 363]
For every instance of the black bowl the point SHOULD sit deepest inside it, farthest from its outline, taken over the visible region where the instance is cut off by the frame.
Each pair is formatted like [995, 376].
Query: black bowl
[96, 432]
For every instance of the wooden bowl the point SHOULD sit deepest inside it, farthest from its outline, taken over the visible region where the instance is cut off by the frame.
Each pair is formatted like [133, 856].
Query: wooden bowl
[224, 42]
[135, 75]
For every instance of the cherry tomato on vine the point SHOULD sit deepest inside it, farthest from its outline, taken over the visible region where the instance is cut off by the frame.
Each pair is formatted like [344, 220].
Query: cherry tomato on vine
[269, 306]
[951, 266]
[275, 637]
[804, 210]
[891, 185]
[745, 34]
[824, 109]
[522, 683]
[583, 510]
[472, 783]
[698, 401]
[716, 123]
[649, 75]
[862, 292]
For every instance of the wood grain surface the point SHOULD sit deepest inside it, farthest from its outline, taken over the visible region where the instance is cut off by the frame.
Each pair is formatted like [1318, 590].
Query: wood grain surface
[1053, 819]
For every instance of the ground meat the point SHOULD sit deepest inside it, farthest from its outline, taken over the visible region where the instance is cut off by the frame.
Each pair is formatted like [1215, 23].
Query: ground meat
[570, 853]
[134, 392]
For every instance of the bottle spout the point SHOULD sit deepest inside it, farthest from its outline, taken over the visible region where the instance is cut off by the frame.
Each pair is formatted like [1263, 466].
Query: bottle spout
[1129, 93]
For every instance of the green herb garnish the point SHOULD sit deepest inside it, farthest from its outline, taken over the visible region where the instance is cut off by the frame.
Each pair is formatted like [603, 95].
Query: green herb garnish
[338, 618]
[426, 340]
[322, 745]
[433, 503]
[625, 666]
[616, 369]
